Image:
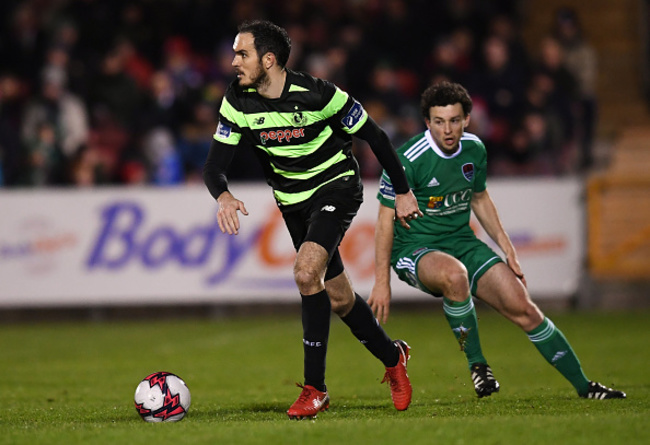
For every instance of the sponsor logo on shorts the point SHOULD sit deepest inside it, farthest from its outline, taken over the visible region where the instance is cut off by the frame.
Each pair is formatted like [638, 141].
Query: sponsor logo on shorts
[419, 251]
[328, 208]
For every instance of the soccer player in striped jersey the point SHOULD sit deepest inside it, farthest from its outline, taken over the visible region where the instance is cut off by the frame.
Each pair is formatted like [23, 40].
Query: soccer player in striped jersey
[301, 130]
[440, 254]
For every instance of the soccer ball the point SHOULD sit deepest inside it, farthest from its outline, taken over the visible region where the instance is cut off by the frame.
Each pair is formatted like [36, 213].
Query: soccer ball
[162, 397]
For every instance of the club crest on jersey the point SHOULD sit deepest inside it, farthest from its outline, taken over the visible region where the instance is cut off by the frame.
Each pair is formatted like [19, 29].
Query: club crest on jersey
[299, 119]
[468, 171]
[354, 115]
[223, 131]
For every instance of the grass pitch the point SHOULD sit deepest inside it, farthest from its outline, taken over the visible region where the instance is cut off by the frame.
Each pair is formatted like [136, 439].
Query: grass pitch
[73, 382]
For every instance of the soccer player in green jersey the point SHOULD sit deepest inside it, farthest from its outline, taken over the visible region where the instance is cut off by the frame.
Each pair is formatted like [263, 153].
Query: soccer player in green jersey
[440, 254]
[300, 128]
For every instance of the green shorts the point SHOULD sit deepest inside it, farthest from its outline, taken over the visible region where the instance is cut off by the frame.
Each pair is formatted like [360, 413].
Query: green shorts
[477, 257]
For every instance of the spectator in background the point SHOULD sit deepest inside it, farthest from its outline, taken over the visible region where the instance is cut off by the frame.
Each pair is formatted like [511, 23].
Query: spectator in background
[112, 68]
[45, 160]
[64, 51]
[135, 65]
[165, 166]
[162, 106]
[108, 142]
[54, 128]
[445, 59]
[559, 87]
[115, 90]
[194, 142]
[581, 61]
[504, 26]
[500, 84]
[25, 42]
[529, 150]
[185, 70]
[12, 102]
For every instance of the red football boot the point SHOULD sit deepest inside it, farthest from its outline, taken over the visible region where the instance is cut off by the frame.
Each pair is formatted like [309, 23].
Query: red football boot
[310, 402]
[400, 385]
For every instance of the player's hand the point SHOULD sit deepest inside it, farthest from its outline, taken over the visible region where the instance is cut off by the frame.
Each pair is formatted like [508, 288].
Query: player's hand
[406, 209]
[513, 263]
[379, 302]
[227, 214]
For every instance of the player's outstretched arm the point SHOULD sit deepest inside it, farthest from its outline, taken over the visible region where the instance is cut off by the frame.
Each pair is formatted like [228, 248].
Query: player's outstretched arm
[380, 296]
[406, 205]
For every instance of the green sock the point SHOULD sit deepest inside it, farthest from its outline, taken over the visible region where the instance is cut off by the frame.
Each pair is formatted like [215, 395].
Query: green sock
[464, 324]
[555, 348]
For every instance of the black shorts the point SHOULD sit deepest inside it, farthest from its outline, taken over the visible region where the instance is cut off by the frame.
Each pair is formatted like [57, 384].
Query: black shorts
[324, 221]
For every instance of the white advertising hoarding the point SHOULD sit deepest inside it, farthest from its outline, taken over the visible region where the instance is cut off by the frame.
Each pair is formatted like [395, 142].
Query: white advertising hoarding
[121, 246]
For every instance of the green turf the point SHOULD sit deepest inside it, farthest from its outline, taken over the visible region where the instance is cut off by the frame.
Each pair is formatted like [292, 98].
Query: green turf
[64, 383]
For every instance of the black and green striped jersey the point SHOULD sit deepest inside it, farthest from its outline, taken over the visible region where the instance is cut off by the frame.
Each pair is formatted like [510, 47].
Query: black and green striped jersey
[443, 185]
[303, 138]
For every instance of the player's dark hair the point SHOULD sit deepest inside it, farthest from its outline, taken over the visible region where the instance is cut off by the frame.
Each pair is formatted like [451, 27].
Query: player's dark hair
[269, 38]
[445, 93]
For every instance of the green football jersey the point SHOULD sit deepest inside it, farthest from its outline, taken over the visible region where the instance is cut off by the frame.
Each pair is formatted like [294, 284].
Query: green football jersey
[443, 185]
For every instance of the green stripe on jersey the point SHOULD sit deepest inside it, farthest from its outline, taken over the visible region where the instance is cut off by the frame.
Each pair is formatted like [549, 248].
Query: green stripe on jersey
[335, 104]
[230, 113]
[312, 171]
[294, 198]
[297, 89]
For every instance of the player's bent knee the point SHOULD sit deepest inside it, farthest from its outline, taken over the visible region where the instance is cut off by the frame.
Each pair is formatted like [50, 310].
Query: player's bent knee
[456, 286]
[306, 280]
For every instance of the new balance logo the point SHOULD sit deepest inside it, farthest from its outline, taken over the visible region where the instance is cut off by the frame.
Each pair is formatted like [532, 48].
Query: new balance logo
[558, 355]
[434, 182]
[328, 209]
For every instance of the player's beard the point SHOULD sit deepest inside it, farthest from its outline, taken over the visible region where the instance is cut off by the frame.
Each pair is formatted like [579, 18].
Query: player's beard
[258, 79]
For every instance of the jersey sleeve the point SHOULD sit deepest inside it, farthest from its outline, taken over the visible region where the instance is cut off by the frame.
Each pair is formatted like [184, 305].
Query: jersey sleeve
[480, 184]
[346, 112]
[230, 121]
[386, 193]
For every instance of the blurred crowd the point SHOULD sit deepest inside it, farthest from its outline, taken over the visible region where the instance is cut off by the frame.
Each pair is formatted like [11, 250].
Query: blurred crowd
[127, 91]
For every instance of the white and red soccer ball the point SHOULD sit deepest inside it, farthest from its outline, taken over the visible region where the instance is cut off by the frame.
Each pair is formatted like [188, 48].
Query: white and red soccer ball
[162, 397]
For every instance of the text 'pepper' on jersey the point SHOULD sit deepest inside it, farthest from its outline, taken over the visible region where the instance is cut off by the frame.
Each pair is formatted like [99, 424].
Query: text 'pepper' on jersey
[281, 135]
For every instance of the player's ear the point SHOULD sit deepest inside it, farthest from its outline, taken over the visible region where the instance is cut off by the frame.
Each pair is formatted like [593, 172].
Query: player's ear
[268, 60]
[467, 120]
